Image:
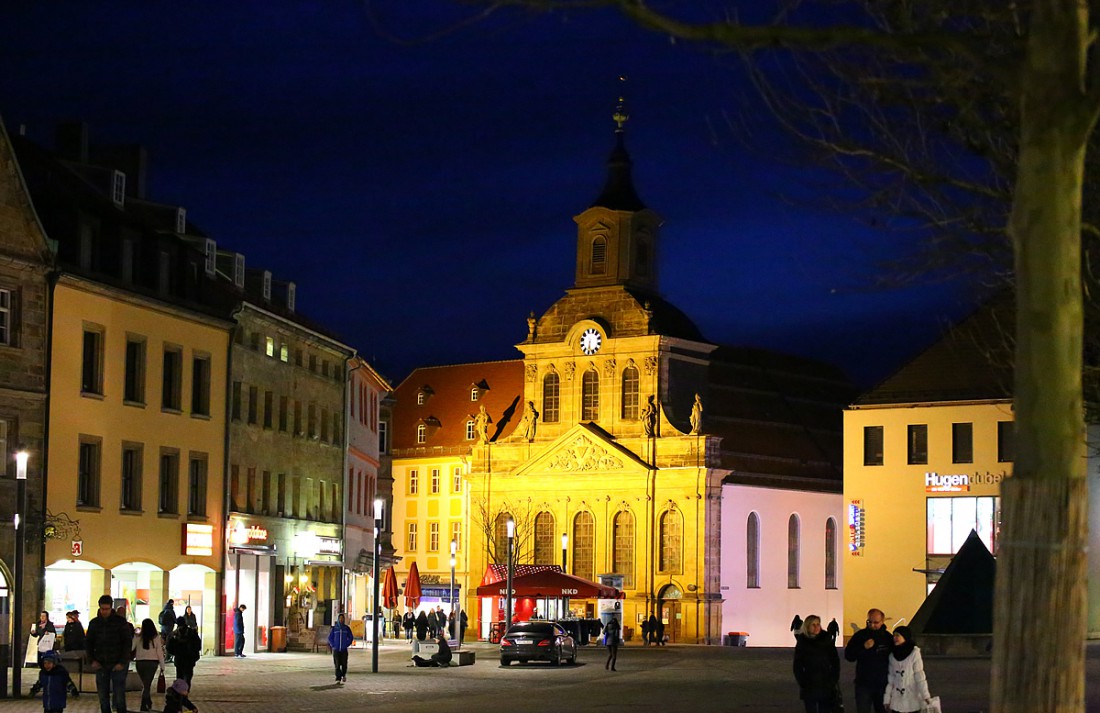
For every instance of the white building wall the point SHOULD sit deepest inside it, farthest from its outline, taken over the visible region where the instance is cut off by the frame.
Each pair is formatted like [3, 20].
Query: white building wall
[766, 612]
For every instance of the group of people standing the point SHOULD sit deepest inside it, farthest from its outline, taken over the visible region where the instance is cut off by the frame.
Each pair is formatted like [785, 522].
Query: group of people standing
[653, 631]
[889, 668]
[430, 624]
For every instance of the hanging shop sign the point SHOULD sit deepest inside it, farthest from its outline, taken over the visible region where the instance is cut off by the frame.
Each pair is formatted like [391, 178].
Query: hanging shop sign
[198, 540]
[330, 546]
[77, 548]
[856, 524]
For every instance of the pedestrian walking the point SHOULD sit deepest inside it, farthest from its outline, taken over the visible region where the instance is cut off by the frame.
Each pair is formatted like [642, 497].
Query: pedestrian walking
[870, 649]
[176, 698]
[906, 684]
[463, 622]
[421, 626]
[645, 632]
[148, 655]
[396, 624]
[339, 640]
[108, 644]
[45, 633]
[816, 667]
[796, 626]
[660, 632]
[409, 622]
[833, 629]
[167, 621]
[186, 648]
[652, 628]
[72, 636]
[441, 621]
[612, 639]
[238, 631]
[54, 683]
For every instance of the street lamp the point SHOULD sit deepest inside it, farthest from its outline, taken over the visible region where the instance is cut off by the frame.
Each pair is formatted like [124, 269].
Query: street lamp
[564, 549]
[378, 505]
[511, 567]
[21, 457]
[454, 605]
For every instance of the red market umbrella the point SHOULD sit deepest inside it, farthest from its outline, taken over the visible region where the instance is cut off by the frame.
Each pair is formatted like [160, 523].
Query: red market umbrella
[412, 587]
[389, 589]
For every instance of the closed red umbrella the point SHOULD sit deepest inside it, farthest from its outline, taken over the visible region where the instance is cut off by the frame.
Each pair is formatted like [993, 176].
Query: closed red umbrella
[389, 589]
[412, 587]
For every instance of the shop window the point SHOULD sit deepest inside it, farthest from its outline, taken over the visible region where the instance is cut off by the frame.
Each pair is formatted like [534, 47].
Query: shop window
[962, 443]
[671, 533]
[794, 537]
[830, 553]
[196, 485]
[169, 482]
[1006, 441]
[130, 490]
[872, 445]
[134, 385]
[433, 537]
[623, 554]
[950, 520]
[584, 545]
[91, 368]
[546, 551]
[172, 384]
[550, 390]
[918, 444]
[87, 475]
[590, 396]
[630, 394]
[414, 482]
[752, 552]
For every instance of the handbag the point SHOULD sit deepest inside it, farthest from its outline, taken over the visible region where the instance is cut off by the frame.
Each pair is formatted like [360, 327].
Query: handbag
[933, 706]
[162, 685]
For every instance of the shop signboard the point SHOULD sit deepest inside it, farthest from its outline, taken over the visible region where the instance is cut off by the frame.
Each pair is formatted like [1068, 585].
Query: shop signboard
[76, 549]
[246, 534]
[198, 540]
[856, 540]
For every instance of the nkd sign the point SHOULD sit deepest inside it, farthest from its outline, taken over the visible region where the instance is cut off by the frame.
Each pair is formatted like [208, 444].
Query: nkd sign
[565, 592]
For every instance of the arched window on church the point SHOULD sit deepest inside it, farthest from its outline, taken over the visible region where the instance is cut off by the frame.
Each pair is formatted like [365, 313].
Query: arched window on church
[584, 545]
[671, 542]
[623, 554]
[641, 258]
[590, 395]
[599, 255]
[500, 538]
[545, 552]
[630, 394]
[830, 553]
[793, 544]
[550, 391]
[752, 552]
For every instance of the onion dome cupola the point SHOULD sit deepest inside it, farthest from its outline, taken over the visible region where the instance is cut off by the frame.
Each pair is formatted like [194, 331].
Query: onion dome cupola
[617, 235]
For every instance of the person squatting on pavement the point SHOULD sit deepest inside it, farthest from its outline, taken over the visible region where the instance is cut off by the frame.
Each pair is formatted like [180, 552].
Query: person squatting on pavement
[54, 683]
[339, 640]
[441, 658]
[176, 698]
[870, 649]
[107, 645]
[816, 667]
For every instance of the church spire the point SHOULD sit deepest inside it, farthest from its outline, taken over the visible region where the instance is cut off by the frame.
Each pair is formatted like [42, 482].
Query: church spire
[618, 192]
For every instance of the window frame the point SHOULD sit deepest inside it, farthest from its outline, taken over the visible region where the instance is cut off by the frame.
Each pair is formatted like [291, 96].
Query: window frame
[794, 552]
[131, 467]
[88, 482]
[168, 495]
[874, 445]
[752, 551]
[198, 465]
[590, 395]
[551, 397]
[171, 392]
[134, 370]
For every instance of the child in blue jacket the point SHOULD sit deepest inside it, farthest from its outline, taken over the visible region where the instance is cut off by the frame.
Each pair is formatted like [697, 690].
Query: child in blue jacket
[54, 682]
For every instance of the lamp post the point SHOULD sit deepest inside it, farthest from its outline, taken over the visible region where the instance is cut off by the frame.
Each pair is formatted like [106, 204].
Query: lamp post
[511, 568]
[21, 457]
[378, 505]
[564, 550]
[454, 604]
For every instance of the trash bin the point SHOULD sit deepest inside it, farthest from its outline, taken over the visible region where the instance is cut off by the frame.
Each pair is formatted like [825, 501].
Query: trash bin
[278, 640]
[740, 638]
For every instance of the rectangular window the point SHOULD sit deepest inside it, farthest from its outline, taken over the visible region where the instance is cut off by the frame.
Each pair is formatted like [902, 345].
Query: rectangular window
[324, 367]
[128, 260]
[411, 537]
[87, 475]
[171, 389]
[5, 317]
[311, 421]
[252, 493]
[134, 387]
[950, 521]
[433, 537]
[269, 346]
[872, 445]
[169, 482]
[269, 407]
[238, 389]
[383, 438]
[91, 371]
[297, 418]
[435, 481]
[280, 496]
[414, 482]
[1006, 441]
[265, 496]
[200, 386]
[324, 425]
[918, 444]
[337, 430]
[284, 354]
[457, 485]
[313, 363]
[196, 485]
[235, 500]
[282, 413]
[456, 534]
[469, 430]
[253, 405]
[962, 443]
[130, 492]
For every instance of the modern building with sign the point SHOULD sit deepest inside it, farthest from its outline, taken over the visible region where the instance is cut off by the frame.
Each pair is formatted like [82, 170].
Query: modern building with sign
[134, 504]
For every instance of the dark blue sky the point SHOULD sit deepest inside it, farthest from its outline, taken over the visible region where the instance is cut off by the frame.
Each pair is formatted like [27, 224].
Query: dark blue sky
[421, 195]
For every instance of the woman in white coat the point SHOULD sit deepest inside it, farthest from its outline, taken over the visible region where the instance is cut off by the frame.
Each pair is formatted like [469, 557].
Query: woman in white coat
[906, 686]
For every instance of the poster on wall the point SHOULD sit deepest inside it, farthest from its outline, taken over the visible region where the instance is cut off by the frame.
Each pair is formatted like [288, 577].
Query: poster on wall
[856, 524]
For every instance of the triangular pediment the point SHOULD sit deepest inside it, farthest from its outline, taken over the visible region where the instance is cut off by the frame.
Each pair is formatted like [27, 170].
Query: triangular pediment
[585, 448]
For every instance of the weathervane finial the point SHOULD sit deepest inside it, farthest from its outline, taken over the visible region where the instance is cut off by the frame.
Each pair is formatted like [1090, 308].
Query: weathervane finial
[620, 117]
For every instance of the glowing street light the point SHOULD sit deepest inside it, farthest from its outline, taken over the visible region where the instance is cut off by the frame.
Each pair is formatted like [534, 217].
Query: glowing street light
[378, 506]
[21, 458]
[511, 567]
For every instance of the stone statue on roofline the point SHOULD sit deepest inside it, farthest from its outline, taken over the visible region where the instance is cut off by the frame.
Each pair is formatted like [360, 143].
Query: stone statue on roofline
[481, 425]
[529, 423]
[649, 417]
[697, 416]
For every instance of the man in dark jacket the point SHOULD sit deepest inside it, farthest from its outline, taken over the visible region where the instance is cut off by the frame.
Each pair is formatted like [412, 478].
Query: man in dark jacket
[185, 647]
[107, 645]
[167, 624]
[441, 658]
[870, 649]
[238, 631]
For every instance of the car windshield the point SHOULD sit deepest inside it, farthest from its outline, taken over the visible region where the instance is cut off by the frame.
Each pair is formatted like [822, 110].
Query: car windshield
[541, 628]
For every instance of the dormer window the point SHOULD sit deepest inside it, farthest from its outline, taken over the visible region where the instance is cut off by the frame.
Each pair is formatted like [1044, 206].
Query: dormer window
[267, 286]
[599, 255]
[211, 257]
[291, 295]
[421, 433]
[238, 271]
[118, 188]
[470, 430]
[475, 393]
[181, 220]
[421, 397]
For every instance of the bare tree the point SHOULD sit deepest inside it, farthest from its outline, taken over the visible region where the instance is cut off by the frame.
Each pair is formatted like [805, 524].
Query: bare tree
[489, 518]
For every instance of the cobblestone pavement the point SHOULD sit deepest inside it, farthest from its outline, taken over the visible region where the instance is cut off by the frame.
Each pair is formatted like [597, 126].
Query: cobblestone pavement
[672, 678]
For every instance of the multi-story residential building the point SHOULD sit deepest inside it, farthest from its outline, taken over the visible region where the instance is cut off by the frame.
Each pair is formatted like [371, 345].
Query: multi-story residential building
[26, 261]
[140, 329]
[285, 555]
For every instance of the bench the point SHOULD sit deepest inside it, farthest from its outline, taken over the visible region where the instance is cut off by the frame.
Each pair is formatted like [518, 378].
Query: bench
[463, 658]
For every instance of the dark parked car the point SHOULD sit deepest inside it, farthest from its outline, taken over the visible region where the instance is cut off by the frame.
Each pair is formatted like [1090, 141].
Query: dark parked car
[537, 641]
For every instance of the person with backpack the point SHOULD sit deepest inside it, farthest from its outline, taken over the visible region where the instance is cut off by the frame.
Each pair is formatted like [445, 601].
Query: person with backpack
[167, 621]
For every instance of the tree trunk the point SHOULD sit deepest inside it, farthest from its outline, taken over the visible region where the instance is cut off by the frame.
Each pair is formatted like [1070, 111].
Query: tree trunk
[1040, 608]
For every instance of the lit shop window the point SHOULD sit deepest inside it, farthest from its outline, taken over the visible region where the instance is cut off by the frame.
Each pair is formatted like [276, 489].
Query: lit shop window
[950, 521]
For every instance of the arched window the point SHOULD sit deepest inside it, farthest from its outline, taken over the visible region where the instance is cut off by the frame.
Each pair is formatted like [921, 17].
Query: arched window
[475, 393]
[671, 542]
[584, 545]
[421, 433]
[500, 538]
[641, 257]
[752, 552]
[590, 395]
[550, 390]
[545, 552]
[630, 394]
[599, 255]
[830, 553]
[623, 554]
[793, 537]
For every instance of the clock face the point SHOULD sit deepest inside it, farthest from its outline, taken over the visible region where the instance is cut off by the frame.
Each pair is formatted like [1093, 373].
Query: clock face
[590, 341]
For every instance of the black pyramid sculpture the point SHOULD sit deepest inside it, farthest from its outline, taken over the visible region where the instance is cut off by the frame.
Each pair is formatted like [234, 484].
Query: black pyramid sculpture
[962, 602]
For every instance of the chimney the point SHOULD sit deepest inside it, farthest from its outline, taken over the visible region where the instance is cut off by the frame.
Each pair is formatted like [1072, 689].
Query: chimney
[71, 141]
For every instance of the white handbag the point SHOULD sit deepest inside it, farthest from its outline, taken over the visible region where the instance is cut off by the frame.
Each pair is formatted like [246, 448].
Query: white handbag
[932, 706]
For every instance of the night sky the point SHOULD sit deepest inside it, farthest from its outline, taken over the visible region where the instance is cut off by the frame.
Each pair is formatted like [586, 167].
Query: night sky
[419, 185]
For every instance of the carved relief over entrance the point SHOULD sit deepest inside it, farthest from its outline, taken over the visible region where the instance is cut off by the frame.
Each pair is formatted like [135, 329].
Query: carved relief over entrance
[584, 454]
